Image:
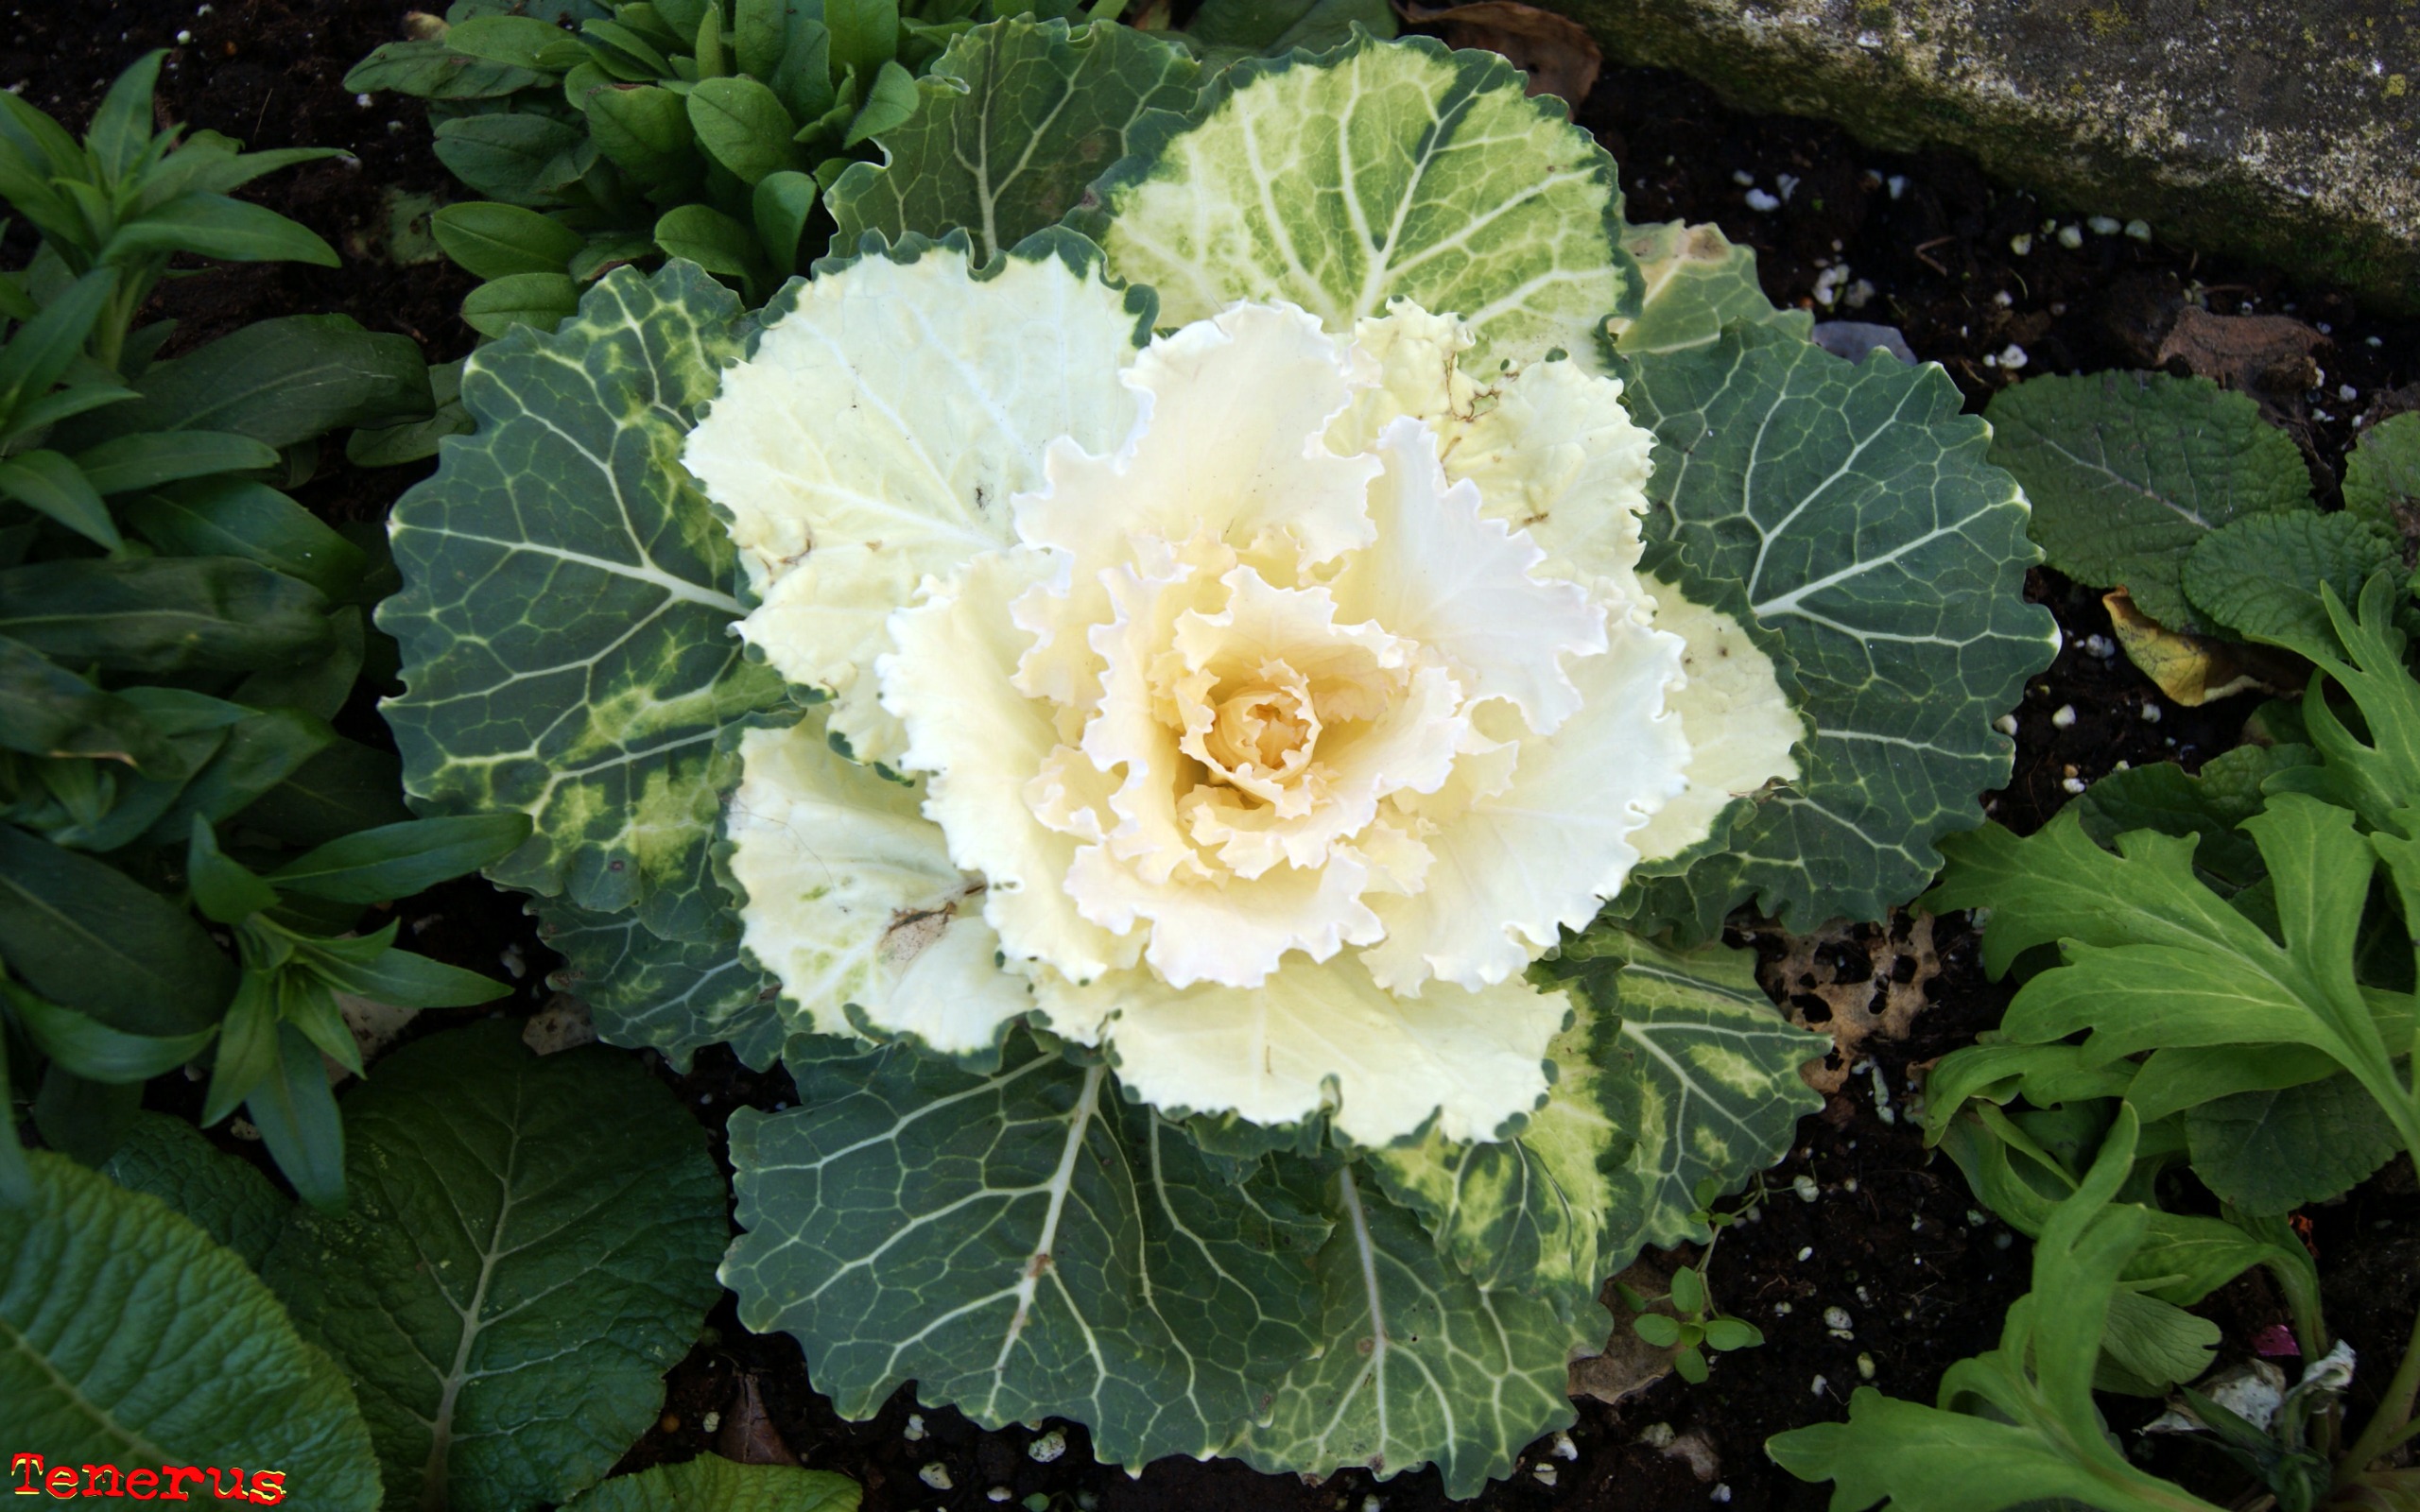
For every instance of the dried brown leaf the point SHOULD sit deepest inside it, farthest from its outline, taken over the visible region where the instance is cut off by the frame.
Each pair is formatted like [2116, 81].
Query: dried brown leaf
[1856, 983]
[747, 1433]
[1555, 51]
[2264, 355]
[2192, 669]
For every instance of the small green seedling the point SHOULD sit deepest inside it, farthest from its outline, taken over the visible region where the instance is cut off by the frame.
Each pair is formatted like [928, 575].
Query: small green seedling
[1691, 1327]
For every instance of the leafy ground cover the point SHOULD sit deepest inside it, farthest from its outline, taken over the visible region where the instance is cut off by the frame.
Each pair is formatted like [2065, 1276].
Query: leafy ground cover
[1857, 1161]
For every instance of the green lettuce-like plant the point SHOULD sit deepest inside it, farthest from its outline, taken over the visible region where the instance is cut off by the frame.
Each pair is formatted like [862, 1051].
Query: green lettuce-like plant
[1408, 402]
[2236, 951]
[176, 633]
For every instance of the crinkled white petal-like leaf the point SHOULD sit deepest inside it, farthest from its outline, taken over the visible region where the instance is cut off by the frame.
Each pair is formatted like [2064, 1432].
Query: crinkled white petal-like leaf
[855, 904]
[982, 741]
[1230, 930]
[1459, 584]
[1518, 866]
[1558, 457]
[1740, 725]
[1325, 1035]
[1230, 448]
[880, 429]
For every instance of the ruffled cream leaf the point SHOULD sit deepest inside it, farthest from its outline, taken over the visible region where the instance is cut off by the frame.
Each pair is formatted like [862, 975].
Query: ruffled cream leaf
[1517, 865]
[854, 903]
[982, 742]
[1741, 727]
[1325, 1036]
[1231, 448]
[880, 430]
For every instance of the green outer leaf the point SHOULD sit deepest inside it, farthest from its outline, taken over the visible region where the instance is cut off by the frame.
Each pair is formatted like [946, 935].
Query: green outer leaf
[1021, 1244]
[237, 517]
[1714, 1091]
[220, 227]
[234, 1203]
[146, 460]
[278, 382]
[1421, 1365]
[137, 1340]
[1854, 503]
[1693, 283]
[672, 996]
[87, 936]
[2209, 804]
[711, 1482]
[2148, 1346]
[1461, 194]
[1016, 119]
[163, 614]
[92, 1049]
[397, 859]
[52, 484]
[2382, 475]
[297, 1116]
[2260, 575]
[2271, 1152]
[565, 616]
[47, 711]
[1228, 29]
[2127, 470]
[514, 1269]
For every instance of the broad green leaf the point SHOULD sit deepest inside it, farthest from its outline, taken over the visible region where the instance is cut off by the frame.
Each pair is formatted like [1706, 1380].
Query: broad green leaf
[49, 484]
[2158, 960]
[865, 34]
[163, 614]
[2260, 575]
[2043, 1442]
[261, 750]
[567, 593]
[742, 126]
[2382, 477]
[234, 1203]
[780, 205]
[644, 130]
[217, 226]
[1016, 119]
[2127, 470]
[528, 42]
[495, 240]
[346, 786]
[709, 239]
[432, 71]
[540, 301]
[398, 860]
[137, 1340]
[88, 936]
[82, 1118]
[1379, 171]
[390, 445]
[237, 517]
[511, 158]
[2273, 1151]
[320, 688]
[1226, 30]
[121, 126]
[297, 1116]
[889, 103]
[40, 352]
[517, 1268]
[1023, 1244]
[711, 1482]
[1419, 1364]
[399, 977]
[278, 382]
[145, 461]
[92, 1049]
[47, 711]
[1693, 283]
[672, 996]
[1714, 1092]
[1887, 559]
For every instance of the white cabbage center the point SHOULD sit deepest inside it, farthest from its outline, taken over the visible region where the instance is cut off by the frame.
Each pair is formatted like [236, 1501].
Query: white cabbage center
[1267, 745]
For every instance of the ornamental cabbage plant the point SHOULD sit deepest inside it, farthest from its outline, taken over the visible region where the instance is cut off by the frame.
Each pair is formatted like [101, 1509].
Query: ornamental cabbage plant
[1214, 737]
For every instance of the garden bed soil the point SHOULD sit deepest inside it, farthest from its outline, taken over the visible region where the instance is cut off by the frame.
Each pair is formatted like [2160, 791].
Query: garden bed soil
[1890, 1235]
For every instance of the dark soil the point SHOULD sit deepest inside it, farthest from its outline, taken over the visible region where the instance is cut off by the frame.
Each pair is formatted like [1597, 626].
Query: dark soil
[1891, 1236]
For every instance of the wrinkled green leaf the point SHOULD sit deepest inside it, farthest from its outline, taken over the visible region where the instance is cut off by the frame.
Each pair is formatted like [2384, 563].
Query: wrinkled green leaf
[1887, 558]
[515, 1272]
[2273, 1151]
[673, 996]
[2382, 477]
[2260, 575]
[1022, 1245]
[229, 1199]
[139, 1341]
[1015, 119]
[563, 621]
[1433, 178]
[2209, 804]
[2127, 470]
